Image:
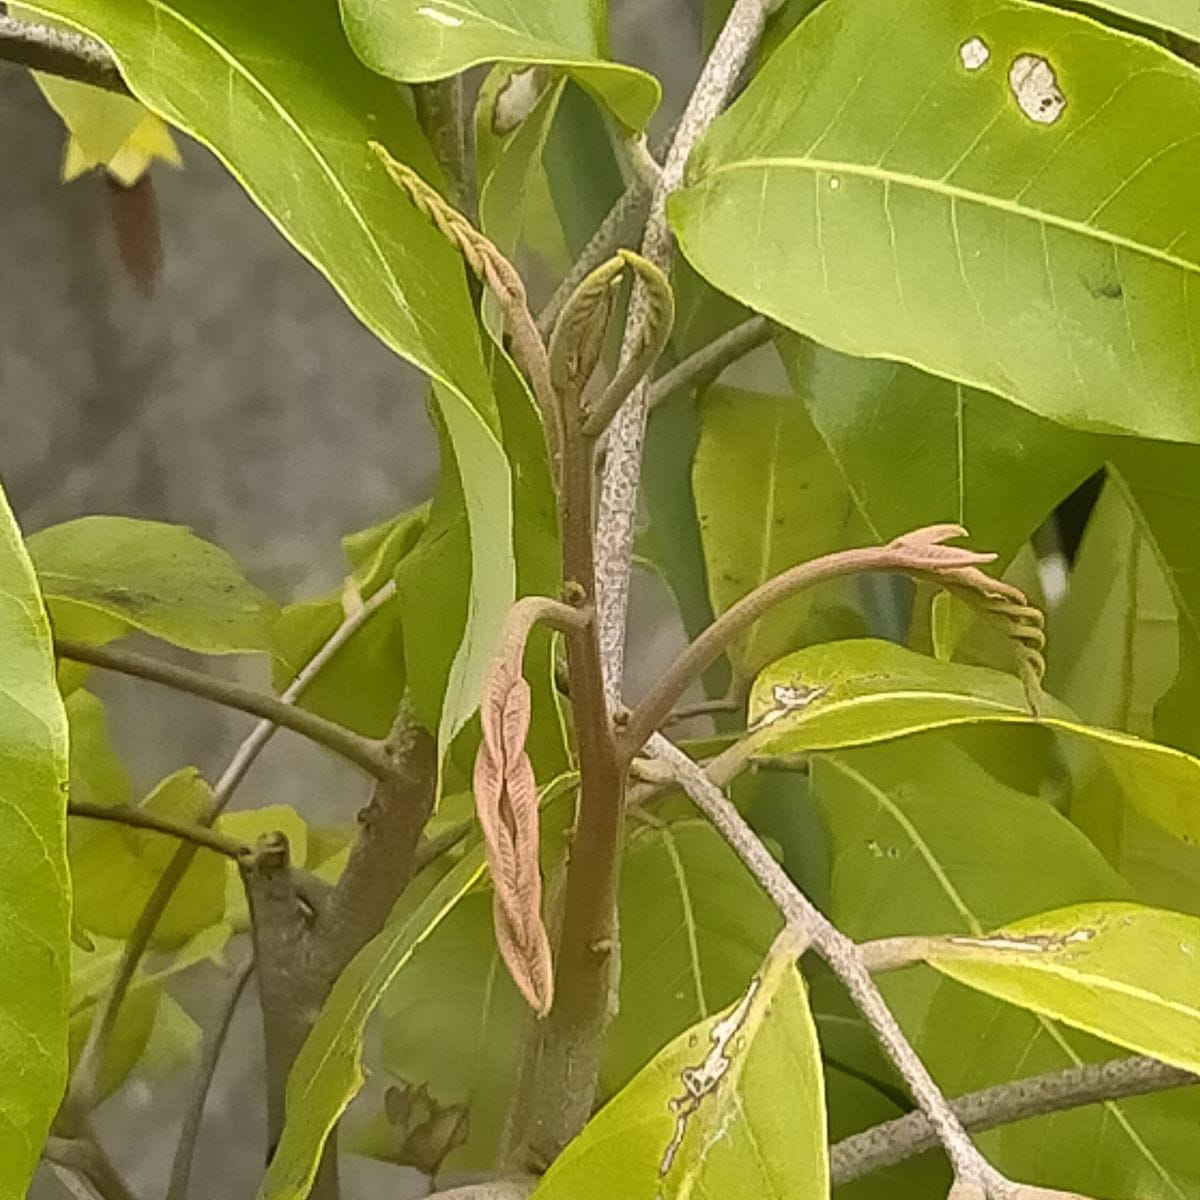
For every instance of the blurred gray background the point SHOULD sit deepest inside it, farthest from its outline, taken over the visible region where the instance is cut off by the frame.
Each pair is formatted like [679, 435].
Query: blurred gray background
[242, 400]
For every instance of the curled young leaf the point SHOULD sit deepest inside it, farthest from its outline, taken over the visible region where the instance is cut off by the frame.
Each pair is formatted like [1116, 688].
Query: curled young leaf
[957, 570]
[578, 338]
[506, 800]
[651, 337]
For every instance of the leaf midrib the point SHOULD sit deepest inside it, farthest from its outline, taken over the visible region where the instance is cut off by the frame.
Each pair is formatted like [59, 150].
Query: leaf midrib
[949, 191]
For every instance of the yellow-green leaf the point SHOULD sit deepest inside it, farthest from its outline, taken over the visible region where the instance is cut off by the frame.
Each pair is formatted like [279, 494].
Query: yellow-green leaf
[733, 1107]
[1123, 972]
[103, 576]
[35, 891]
[860, 692]
[889, 185]
[114, 868]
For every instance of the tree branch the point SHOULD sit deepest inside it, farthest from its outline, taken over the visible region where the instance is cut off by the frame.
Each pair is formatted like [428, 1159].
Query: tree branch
[703, 367]
[84, 1089]
[140, 818]
[181, 1166]
[1093, 1083]
[364, 752]
[970, 1167]
[622, 466]
[59, 52]
[920, 554]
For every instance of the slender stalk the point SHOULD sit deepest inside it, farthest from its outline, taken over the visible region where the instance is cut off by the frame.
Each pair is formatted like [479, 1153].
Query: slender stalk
[843, 958]
[622, 465]
[920, 554]
[59, 52]
[257, 739]
[84, 1088]
[1093, 1083]
[140, 818]
[181, 1166]
[363, 751]
[81, 1157]
[706, 364]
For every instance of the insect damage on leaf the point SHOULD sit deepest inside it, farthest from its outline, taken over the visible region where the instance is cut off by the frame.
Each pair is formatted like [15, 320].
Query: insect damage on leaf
[974, 53]
[788, 698]
[701, 1081]
[1035, 86]
[1038, 943]
[442, 18]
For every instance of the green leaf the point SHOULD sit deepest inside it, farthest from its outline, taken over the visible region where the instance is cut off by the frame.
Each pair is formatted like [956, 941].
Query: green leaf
[748, 1118]
[512, 179]
[694, 927]
[97, 774]
[160, 579]
[792, 505]
[917, 450]
[328, 1073]
[1161, 485]
[362, 684]
[35, 891]
[902, 205]
[414, 41]
[1114, 644]
[1179, 16]
[276, 92]
[1123, 972]
[114, 868]
[923, 841]
[876, 691]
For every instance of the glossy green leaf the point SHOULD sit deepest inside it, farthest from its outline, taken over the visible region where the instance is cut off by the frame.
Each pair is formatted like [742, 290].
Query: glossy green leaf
[694, 926]
[792, 505]
[904, 204]
[1114, 645]
[1123, 972]
[917, 450]
[924, 841]
[733, 1107]
[693, 929]
[328, 1073]
[276, 92]
[876, 691]
[35, 895]
[160, 579]
[414, 41]
[114, 868]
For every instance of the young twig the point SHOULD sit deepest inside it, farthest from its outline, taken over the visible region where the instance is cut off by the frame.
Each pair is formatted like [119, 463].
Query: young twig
[921, 554]
[140, 818]
[84, 1167]
[181, 1166]
[706, 364]
[59, 52]
[622, 465]
[363, 751]
[1057, 1091]
[970, 1167]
